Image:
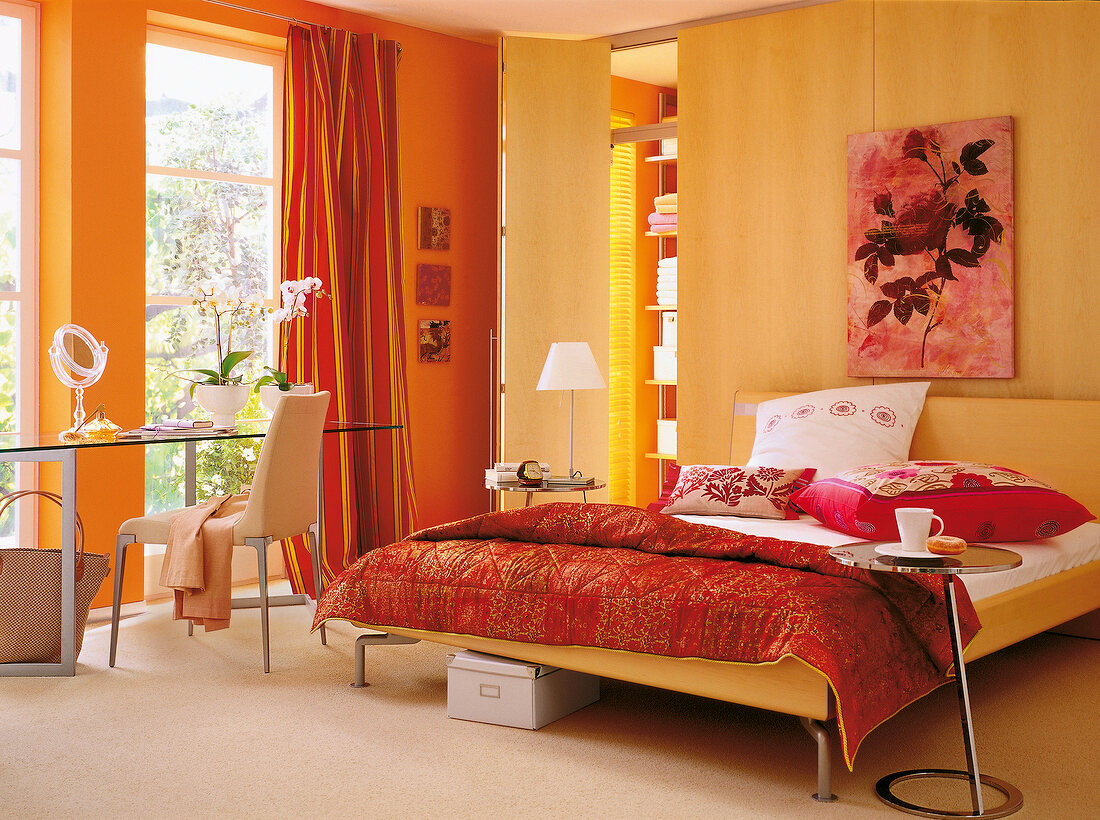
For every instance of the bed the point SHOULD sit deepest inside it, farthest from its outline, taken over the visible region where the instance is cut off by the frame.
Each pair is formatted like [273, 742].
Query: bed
[1052, 440]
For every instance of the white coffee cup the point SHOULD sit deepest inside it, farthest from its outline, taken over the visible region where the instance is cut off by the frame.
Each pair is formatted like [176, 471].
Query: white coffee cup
[914, 526]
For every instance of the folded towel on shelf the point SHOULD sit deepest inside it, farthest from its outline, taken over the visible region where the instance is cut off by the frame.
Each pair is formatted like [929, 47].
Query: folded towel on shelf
[662, 219]
[665, 199]
[665, 209]
[666, 291]
[667, 262]
[663, 228]
[664, 300]
[666, 283]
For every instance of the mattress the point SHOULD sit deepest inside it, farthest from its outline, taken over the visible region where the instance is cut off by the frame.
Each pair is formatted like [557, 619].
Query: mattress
[1042, 558]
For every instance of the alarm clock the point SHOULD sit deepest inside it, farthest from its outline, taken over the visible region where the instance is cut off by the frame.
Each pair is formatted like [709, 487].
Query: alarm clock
[529, 474]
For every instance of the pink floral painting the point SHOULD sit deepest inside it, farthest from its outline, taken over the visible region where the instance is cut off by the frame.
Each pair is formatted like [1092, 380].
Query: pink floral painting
[930, 249]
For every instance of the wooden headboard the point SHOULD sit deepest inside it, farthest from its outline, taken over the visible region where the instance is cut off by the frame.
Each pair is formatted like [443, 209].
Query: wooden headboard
[1053, 440]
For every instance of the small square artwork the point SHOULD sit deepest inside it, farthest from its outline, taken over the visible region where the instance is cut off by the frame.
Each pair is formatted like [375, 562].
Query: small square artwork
[433, 285]
[930, 251]
[435, 340]
[433, 230]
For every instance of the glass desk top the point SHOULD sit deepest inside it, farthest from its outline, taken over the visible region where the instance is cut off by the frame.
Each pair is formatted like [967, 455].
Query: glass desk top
[246, 428]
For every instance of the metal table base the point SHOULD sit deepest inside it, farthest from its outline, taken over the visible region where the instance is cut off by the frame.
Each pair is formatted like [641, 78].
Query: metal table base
[1014, 799]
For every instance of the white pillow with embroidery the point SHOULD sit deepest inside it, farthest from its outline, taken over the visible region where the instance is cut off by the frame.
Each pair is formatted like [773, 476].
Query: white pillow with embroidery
[836, 430]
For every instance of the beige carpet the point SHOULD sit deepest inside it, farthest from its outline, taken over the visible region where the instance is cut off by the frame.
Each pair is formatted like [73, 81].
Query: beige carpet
[191, 727]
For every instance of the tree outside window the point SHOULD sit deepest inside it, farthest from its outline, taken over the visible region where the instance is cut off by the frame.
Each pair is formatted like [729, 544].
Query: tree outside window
[211, 194]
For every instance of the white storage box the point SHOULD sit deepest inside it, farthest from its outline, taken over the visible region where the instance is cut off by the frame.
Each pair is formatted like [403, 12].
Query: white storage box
[490, 689]
[664, 363]
[666, 436]
[668, 328]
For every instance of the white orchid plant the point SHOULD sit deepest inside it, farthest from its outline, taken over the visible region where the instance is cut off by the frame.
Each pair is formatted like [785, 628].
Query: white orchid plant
[294, 294]
[225, 307]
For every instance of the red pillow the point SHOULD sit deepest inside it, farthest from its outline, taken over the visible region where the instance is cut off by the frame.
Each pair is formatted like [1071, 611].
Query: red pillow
[977, 502]
[672, 472]
[755, 492]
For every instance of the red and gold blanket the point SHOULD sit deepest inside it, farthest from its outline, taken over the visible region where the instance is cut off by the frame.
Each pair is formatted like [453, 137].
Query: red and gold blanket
[624, 578]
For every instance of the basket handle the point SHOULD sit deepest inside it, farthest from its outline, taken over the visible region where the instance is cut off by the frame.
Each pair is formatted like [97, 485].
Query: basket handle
[6, 501]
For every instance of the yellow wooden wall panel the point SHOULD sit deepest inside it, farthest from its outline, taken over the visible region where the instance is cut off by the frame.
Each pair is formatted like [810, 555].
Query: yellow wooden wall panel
[557, 254]
[765, 106]
[943, 62]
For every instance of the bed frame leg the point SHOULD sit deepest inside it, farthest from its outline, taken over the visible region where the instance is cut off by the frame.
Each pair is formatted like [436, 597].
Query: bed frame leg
[373, 639]
[817, 731]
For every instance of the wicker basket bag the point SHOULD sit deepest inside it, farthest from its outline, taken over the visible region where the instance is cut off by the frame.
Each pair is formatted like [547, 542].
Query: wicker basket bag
[30, 594]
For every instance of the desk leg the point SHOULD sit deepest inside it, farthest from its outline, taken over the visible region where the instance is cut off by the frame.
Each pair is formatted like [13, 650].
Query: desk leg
[68, 562]
[190, 475]
[964, 694]
[66, 456]
[527, 503]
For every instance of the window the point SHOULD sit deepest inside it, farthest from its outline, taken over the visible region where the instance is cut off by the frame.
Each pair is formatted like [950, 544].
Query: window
[18, 230]
[213, 155]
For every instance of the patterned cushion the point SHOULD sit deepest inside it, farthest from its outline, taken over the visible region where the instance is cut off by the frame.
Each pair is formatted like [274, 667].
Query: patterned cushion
[835, 430]
[760, 492]
[978, 502]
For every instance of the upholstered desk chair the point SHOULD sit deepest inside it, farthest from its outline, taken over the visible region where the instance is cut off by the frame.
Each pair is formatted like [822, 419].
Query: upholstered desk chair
[282, 503]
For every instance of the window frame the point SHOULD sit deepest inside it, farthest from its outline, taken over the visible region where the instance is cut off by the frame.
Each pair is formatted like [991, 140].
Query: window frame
[25, 295]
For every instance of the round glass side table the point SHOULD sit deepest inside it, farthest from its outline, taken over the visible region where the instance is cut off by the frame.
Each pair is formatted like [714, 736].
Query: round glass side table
[974, 559]
[546, 487]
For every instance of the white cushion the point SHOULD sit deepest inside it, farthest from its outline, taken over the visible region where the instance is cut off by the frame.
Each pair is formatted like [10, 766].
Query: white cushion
[836, 430]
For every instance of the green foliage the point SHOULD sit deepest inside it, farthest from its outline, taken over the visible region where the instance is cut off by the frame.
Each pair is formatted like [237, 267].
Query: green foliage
[204, 233]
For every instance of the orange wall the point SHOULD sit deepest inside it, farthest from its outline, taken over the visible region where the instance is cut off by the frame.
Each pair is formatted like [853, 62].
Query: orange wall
[92, 227]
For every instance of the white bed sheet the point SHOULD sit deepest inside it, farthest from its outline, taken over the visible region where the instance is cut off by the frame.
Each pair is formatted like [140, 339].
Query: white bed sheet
[1042, 558]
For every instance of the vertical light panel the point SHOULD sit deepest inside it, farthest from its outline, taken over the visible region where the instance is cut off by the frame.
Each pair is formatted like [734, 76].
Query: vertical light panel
[622, 378]
[555, 282]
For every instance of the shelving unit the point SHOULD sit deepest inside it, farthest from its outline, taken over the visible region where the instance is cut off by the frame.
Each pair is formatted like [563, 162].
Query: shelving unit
[666, 169]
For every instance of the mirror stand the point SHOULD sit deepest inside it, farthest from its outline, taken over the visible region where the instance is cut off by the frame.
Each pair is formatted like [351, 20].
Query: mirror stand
[78, 360]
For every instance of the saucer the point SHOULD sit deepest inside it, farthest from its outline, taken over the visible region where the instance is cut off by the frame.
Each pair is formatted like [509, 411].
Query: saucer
[895, 549]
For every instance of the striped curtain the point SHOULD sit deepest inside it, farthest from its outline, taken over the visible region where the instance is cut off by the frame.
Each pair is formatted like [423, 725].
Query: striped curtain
[341, 223]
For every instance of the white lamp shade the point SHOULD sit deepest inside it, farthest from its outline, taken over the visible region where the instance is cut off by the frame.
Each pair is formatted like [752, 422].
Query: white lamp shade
[570, 366]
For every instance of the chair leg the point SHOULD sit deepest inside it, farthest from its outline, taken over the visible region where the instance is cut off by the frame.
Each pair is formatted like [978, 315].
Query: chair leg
[260, 544]
[121, 543]
[318, 578]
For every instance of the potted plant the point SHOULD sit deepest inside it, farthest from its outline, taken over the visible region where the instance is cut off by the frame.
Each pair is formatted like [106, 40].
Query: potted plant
[219, 392]
[275, 382]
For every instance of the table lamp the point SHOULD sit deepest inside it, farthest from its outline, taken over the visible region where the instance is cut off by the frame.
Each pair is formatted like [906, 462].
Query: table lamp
[570, 366]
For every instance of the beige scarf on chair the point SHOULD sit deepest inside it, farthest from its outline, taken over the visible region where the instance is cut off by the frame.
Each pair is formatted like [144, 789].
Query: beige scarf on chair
[198, 561]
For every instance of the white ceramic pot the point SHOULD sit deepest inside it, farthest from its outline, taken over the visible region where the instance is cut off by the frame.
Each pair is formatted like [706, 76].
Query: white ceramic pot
[222, 401]
[270, 393]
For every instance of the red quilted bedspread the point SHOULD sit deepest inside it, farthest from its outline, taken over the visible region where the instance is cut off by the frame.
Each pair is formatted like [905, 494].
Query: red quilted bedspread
[624, 578]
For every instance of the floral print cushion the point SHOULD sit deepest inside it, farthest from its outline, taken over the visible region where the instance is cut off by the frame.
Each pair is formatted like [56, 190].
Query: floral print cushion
[977, 502]
[755, 492]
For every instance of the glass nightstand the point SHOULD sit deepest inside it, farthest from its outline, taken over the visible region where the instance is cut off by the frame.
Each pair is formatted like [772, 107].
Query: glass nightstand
[973, 560]
[545, 487]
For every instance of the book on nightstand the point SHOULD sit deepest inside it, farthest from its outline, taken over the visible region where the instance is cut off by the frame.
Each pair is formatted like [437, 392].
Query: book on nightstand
[571, 481]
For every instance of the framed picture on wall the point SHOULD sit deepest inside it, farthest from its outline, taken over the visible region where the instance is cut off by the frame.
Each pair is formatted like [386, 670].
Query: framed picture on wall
[433, 285]
[433, 228]
[434, 340]
[930, 251]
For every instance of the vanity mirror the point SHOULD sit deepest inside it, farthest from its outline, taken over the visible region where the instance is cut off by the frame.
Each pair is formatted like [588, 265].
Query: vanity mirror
[78, 359]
